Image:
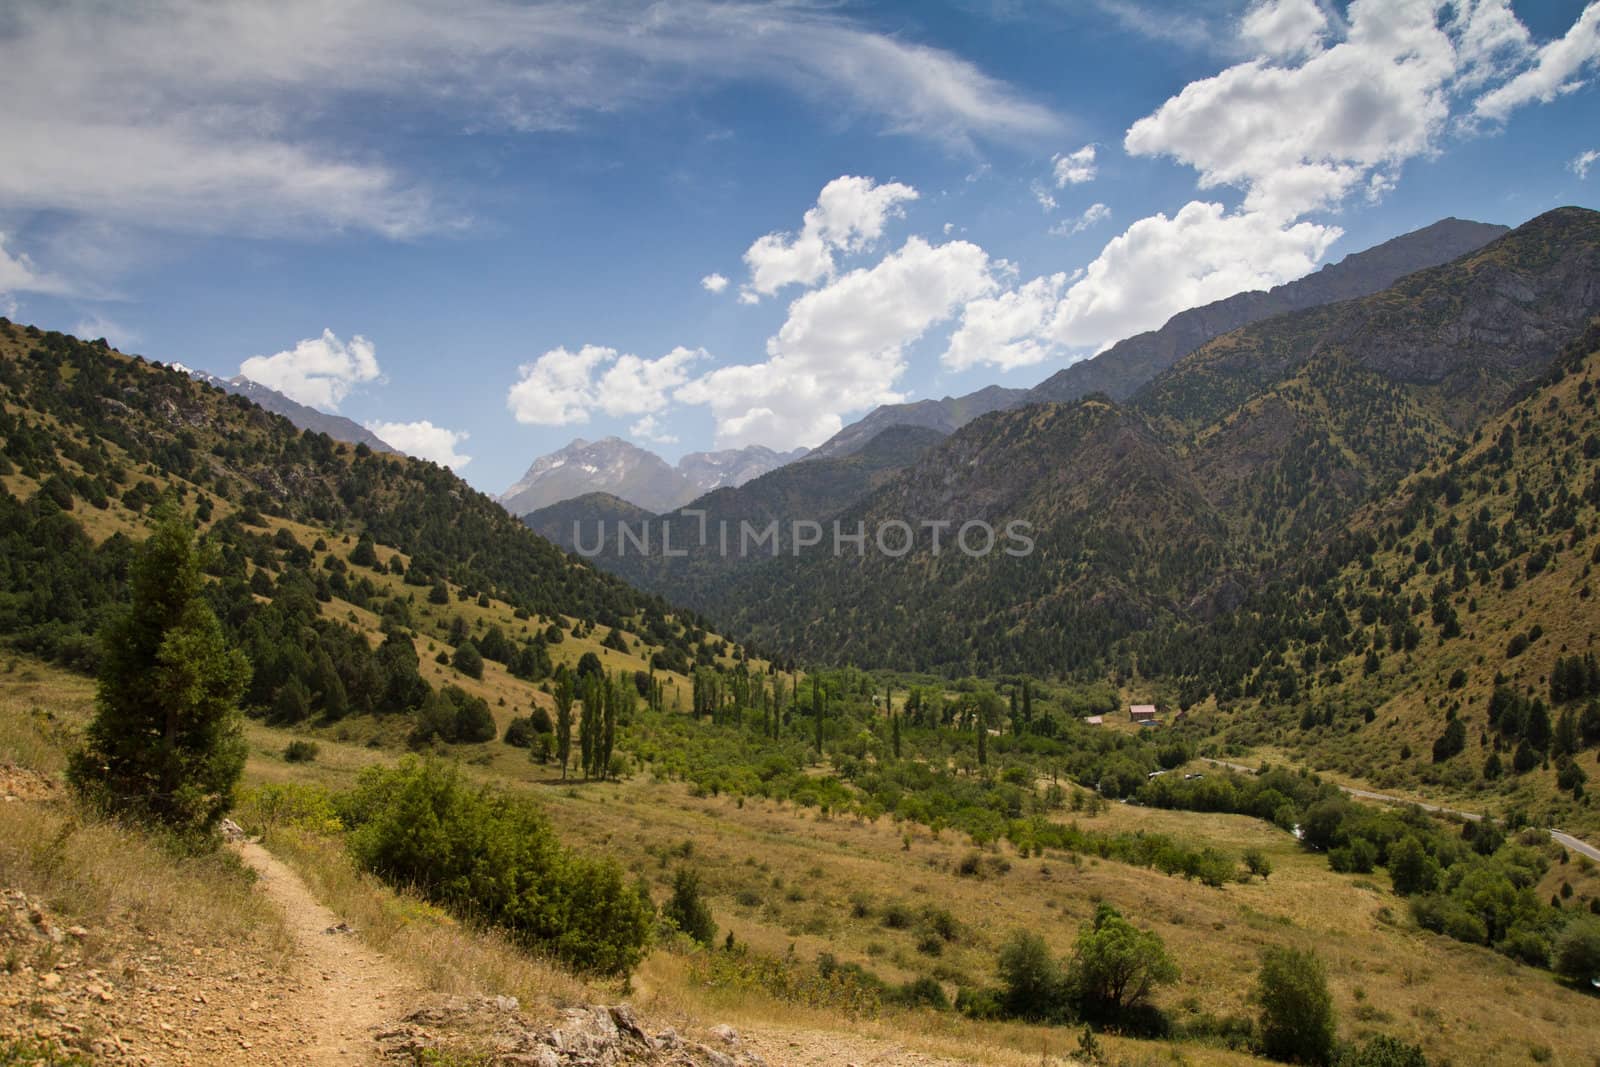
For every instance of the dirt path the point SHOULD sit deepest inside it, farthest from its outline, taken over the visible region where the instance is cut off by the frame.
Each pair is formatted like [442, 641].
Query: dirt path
[343, 992]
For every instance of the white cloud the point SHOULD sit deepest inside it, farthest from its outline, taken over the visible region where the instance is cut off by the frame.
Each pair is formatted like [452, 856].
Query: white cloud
[1301, 134]
[1299, 138]
[1043, 197]
[1582, 162]
[1329, 107]
[319, 371]
[842, 348]
[1161, 266]
[562, 387]
[1285, 28]
[1093, 215]
[424, 440]
[19, 275]
[1006, 330]
[713, 283]
[1555, 72]
[1075, 168]
[634, 386]
[221, 119]
[650, 430]
[849, 217]
[94, 326]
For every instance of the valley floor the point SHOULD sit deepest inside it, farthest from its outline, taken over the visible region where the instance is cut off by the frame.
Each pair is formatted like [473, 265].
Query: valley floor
[201, 966]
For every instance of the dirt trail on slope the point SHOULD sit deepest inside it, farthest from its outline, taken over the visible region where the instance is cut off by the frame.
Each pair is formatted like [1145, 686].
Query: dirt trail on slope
[343, 991]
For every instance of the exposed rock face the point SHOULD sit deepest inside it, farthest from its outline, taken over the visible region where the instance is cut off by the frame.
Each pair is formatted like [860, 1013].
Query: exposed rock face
[589, 1036]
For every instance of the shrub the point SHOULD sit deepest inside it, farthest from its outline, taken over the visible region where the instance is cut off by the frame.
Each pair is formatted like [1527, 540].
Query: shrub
[687, 908]
[1577, 951]
[1032, 984]
[300, 751]
[1296, 1008]
[492, 857]
[522, 731]
[1257, 863]
[924, 992]
[1381, 1050]
[468, 660]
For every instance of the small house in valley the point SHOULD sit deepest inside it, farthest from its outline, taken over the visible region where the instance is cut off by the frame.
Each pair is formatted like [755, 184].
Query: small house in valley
[1143, 713]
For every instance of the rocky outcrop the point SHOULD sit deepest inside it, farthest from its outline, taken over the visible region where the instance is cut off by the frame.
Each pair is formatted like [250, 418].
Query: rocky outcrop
[588, 1036]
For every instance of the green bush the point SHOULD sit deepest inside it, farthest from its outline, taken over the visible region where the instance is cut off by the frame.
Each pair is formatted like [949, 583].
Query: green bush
[687, 907]
[1296, 1008]
[1383, 1051]
[1032, 983]
[492, 858]
[301, 751]
[1116, 966]
[1577, 951]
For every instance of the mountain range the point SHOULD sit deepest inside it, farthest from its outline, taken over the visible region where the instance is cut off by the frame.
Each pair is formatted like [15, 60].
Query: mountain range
[1121, 369]
[635, 475]
[640, 478]
[1164, 506]
[306, 418]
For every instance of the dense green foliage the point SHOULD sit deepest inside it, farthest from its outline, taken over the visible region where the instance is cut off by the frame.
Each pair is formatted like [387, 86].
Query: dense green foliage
[165, 743]
[1297, 1023]
[493, 858]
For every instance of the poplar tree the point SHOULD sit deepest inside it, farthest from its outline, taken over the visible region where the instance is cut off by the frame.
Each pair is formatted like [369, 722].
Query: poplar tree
[564, 720]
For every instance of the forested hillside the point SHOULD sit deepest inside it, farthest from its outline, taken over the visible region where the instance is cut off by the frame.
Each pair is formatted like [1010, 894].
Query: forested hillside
[1172, 509]
[318, 549]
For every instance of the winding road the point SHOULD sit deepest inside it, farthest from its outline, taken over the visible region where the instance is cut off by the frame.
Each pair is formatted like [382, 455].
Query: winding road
[1565, 840]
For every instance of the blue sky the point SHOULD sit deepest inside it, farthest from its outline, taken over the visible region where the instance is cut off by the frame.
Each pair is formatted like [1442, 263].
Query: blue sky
[487, 227]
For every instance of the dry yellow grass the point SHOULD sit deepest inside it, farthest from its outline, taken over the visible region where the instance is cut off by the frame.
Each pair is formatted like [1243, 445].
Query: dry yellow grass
[781, 877]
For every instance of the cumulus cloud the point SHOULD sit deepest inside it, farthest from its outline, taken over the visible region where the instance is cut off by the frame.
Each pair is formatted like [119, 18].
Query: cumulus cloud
[319, 371]
[713, 283]
[1007, 330]
[849, 216]
[1093, 215]
[1582, 162]
[1557, 69]
[1299, 137]
[1042, 196]
[424, 440]
[1285, 28]
[1324, 111]
[562, 387]
[1327, 108]
[1160, 266]
[1075, 168]
[842, 348]
[649, 429]
[220, 121]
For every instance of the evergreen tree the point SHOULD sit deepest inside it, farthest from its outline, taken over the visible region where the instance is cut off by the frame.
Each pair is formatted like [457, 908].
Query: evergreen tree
[468, 660]
[563, 719]
[166, 742]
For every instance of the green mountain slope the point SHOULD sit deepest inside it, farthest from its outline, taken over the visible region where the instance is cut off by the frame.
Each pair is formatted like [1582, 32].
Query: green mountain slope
[93, 437]
[1174, 508]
